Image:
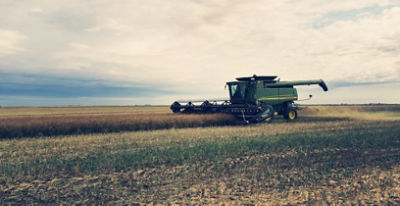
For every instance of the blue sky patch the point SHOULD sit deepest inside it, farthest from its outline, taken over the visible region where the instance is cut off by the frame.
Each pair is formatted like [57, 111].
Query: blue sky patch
[348, 15]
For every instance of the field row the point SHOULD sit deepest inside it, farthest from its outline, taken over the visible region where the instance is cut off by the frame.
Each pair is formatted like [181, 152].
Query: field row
[68, 125]
[39, 122]
[12, 112]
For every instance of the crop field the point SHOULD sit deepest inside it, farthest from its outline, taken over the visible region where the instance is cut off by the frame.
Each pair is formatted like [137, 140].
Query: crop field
[39, 121]
[145, 155]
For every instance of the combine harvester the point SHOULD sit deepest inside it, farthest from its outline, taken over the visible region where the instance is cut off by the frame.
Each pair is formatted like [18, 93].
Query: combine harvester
[253, 99]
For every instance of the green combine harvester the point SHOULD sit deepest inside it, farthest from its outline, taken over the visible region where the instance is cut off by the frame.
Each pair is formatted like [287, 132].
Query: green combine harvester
[253, 99]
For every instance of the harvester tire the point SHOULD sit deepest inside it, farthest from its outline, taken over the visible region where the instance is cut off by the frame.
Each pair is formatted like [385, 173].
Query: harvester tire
[176, 107]
[189, 108]
[290, 114]
[206, 107]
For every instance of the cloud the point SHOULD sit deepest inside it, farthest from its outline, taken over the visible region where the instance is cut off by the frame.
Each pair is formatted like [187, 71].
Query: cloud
[33, 85]
[194, 47]
[358, 49]
[9, 42]
[73, 19]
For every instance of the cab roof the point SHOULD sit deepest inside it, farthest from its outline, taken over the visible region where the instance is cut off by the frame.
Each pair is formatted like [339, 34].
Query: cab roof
[255, 77]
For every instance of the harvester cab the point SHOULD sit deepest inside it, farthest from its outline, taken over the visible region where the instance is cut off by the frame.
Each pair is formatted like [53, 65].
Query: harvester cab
[253, 99]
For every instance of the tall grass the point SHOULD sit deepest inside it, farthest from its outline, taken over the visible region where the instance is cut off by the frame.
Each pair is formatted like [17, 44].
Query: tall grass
[67, 125]
[10, 112]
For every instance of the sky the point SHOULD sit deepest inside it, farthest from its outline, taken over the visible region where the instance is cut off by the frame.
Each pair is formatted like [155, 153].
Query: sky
[128, 52]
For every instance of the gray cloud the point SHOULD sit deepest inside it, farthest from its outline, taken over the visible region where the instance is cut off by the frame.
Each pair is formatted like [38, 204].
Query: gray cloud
[389, 45]
[71, 19]
[32, 85]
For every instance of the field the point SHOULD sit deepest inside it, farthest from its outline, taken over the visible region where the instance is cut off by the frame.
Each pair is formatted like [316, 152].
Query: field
[330, 155]
[33, 122]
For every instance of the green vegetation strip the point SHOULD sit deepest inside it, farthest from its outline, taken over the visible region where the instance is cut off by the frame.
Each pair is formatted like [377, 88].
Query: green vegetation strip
[342, 148]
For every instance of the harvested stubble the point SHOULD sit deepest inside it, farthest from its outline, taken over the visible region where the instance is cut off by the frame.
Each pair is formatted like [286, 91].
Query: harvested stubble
[324, 162]
[320, 161]
[67, 125]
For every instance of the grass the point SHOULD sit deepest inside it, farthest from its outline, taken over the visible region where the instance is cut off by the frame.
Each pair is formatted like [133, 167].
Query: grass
[315, 160]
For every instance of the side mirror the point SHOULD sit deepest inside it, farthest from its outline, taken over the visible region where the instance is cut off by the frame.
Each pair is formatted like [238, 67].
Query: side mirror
[310, 96]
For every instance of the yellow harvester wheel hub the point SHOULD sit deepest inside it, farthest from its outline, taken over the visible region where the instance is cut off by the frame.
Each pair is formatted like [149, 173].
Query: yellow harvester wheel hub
[292, 115]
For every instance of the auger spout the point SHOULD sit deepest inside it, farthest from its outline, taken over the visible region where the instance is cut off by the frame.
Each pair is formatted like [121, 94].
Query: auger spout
[278, 84]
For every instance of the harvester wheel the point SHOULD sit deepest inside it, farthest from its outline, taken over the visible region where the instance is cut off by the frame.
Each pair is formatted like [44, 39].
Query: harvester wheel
[189, 108]
[206, 107]
[290, 114]
[176, 107]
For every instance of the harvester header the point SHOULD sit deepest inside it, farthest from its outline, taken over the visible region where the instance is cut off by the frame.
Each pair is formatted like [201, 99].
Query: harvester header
[253, 99]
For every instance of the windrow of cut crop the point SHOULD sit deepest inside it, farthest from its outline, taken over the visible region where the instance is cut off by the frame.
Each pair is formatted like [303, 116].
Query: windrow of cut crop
[68, 125]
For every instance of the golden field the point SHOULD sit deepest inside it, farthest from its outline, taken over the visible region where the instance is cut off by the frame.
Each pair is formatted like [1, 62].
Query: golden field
[330, 155]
